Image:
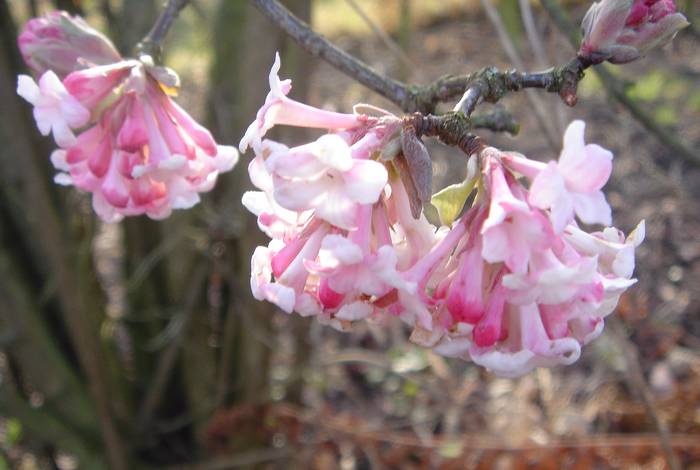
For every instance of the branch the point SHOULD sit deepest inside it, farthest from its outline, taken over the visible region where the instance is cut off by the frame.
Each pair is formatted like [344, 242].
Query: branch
[499, 120]
[452, 129]
[318, 46]
[615, 89]
[152, 44]
[489, 83]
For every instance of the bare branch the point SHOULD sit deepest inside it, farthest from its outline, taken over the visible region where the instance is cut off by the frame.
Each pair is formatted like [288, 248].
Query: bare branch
[318, 46]
[451, 129]
[492, 83]
[152, 44]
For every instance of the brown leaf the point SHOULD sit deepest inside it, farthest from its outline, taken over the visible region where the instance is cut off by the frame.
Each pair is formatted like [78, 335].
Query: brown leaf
[414, 201]
[419, 163]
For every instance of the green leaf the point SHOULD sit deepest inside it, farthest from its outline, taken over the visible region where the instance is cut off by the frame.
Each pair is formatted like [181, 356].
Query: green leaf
[450, 201]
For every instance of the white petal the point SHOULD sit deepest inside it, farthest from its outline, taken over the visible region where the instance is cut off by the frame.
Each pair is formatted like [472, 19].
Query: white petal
[28, 89]
[354, 311]
[226, 158]
[334, 152]
[366, 180]
[592, 208]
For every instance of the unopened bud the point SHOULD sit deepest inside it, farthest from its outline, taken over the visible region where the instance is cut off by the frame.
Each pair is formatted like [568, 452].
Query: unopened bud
[64, 43]
[622, 31]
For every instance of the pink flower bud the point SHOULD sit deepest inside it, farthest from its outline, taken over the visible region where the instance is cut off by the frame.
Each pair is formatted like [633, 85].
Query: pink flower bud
[64, 43]
[621, 31]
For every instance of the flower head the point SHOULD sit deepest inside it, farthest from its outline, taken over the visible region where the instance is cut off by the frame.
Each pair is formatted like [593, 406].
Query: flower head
[136, 151]
[513, 284]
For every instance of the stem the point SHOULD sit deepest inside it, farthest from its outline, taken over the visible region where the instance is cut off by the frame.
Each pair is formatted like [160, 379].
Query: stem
[152, 44]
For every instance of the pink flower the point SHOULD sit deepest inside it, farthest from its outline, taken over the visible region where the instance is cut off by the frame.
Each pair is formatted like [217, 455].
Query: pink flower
[140, 153]
[512, 230]
[572, 185]
[63, 43]
[55, 110]
[278, 109]
[621, 31]
[324, 176]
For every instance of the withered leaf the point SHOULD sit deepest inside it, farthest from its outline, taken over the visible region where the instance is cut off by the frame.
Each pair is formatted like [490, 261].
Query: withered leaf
[419, 163]
[405, 174]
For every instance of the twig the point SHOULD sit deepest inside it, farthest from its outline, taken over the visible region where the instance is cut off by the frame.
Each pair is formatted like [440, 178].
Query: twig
[532, 33]
[498, 120]
[637, 382]
[152, 44]
[614, 88]
[492, 83]
[167, 359]
[538, 107]
[382, 35]
[318, 46]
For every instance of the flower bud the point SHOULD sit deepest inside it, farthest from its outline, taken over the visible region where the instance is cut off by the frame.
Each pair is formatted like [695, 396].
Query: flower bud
[622, 31]
[64, 43]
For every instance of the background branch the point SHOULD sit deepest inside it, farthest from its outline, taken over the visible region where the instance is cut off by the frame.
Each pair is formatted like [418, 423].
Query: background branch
[152, 44]
[552, 134]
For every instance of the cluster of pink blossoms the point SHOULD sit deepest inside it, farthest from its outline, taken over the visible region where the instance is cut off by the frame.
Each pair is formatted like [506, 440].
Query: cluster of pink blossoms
[514, 283]
[136, 151]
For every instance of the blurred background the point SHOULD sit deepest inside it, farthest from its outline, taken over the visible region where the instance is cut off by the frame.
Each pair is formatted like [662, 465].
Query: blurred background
[138, 345]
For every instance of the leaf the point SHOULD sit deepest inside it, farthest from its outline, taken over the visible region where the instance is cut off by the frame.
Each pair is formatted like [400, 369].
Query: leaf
[450, 200]
[419, 163]
[414, 201]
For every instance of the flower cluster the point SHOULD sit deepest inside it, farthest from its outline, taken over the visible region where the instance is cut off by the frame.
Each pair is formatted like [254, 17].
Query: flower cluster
[136, 151]
[622, 31]
[514, 283]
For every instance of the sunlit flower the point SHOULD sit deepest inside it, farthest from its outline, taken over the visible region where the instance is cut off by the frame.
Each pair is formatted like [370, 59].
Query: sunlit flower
[55, 110]
[279, 109]
[138, 152]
